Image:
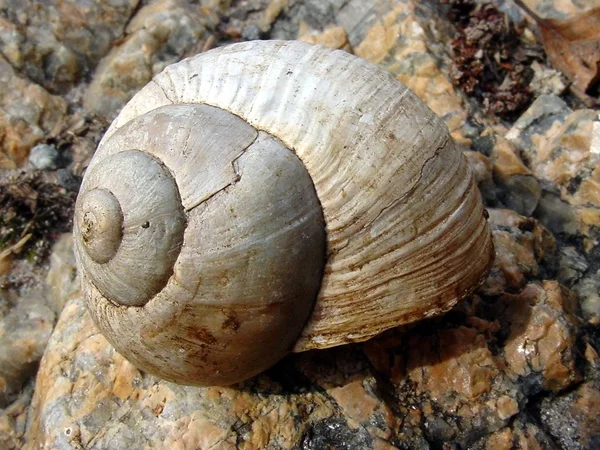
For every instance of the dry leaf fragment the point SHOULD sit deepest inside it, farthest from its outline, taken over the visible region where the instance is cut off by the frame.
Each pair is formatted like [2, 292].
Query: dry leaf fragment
[573, 46]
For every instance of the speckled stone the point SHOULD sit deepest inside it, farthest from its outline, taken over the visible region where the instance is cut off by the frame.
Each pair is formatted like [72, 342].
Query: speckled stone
[28, 113]
[523, 434]
[517, 188]
[24, 332]
[160, 34]
[557, 143]
[588, 289]
[574, 418]
[13, 420]
[542, 329]
[88, 395]
[55, 42]
[522, 244]
[62, 281]
[399, 41]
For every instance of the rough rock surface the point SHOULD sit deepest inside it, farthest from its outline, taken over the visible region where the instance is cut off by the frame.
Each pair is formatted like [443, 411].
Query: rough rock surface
[160, 34]
[28, 113]
[54, 43]
[514, 366]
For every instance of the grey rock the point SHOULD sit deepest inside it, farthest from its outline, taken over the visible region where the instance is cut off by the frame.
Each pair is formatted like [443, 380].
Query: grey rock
[573, 419]
[521, 193]
[251, 32]
[44, 157]
[588, 290]
[28, 113]
[24, 333]
[541, 115]
[62, 281]
[161, 33]
[556, 214]
[572, 266]
[55, 42]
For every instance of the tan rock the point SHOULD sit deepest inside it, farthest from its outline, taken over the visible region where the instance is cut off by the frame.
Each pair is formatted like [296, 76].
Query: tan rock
[271, 12]
[543, 334]
[457, 361]
[399, 43]
[519, 190]
[24, 332]
[160, 33]
[28, 113]
[521, 244]
[62, 279]
[54, 43]
[332, 37]
[558, 143]
[525, 436]
[562, 9]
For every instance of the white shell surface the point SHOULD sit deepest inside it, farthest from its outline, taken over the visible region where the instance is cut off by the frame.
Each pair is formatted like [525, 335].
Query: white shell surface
[151, 226]
[242, 278]
[406, 233]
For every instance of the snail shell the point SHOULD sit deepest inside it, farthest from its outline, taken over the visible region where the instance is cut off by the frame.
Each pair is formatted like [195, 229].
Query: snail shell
[269, 197]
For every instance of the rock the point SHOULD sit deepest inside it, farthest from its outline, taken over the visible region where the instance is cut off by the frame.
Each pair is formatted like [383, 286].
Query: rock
[517, 188]
[573, 419]
[332, 37]
[482, 168]
[28, 114]
[62, 281]
[547, 81]
[410, 60]
[88, 395]
[588, 290]
[159, 34]
[523, 433]
[522, 246]
[556, 214]
[24, 332]
[572, 266]
[54, 43]
[557, 143]
[13, 420]
[541, 346]
[44, 157]
[565, 9]
[251, 32]
[543, 113]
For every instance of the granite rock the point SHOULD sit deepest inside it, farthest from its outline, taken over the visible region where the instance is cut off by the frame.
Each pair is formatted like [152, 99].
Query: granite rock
[44, 157]
[13, 419]
[447, 380]
[55, 43]
[24, 332]
[524, 249]
[28, 114]
[517, 188]
[542, 331]
[557, 142]
[574, 418]
[62, 281]
[513, 366]
[159, 34]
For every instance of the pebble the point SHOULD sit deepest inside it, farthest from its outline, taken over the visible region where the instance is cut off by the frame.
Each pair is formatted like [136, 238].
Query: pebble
[44, 157]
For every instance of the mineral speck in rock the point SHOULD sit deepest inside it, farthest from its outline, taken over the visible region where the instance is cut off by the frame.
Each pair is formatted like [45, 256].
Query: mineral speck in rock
[44, 157]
